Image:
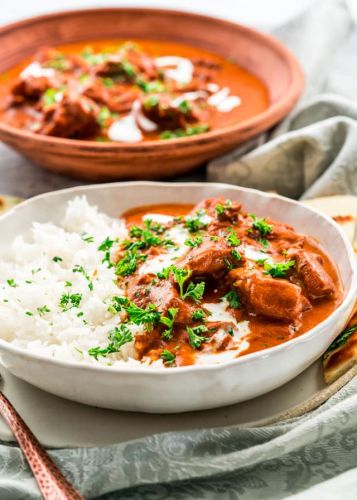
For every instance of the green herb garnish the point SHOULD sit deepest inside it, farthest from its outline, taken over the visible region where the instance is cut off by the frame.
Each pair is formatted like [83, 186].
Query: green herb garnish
[68, 301]
[221, 209]
[195, 223]
[169, 322]
[194, 242]
[232, 239]
[118, 337]
[198, 314]
[43, 310]
[184, 107]
[105, 247]
[51, 96]
[261, 225]
[168, 357]
[87, 238]
[181, 132]
[11, 282]
[80, 269]
[341, 339]
[128, 264]
[233, 299]
[195, 337]
[278, 269]
[57, 259]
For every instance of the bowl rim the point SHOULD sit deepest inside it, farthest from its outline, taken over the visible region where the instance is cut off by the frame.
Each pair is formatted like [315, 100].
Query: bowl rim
[288, 100]
[351, 293]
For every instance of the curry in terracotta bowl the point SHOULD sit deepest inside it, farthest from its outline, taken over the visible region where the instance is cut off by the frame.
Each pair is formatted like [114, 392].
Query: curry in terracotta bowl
[116, 93]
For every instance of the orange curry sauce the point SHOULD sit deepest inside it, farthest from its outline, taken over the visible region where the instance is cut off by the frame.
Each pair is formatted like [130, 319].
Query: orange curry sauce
[309, 290]
[109, 96]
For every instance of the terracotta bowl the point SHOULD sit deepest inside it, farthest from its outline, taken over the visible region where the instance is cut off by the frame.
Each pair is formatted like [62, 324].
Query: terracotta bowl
[258, 53]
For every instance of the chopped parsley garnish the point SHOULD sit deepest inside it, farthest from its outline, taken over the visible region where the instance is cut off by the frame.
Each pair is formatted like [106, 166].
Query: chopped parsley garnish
[198, 314]
[117, 304]
[151, 101]
[94, 59]
[193, 291]
[341, 339]
[104, 116]
[181, 132]
[264, 243]
[278, 269]
[68, 301]
[87, 238]
[149, 317]
[28, 313]
[51, 96]
[184, 107]
[194, 242]
[128, 264]
[106, 244]
[164, 274]
[154, 86]
[236, 255]
[261, 225]
[221, 209]
[233, 299]
[68, 283]
[108, 82]
[195, 337]
[168, 357]
[169, 322]
[118, 337]
[43, 310]
[146, 237]
[195, 223]
[11, 282]
[180, 276]
[232, 239]
[80, 269]
[59, 62]
[227, 263]
[105, 247]
[57, 259]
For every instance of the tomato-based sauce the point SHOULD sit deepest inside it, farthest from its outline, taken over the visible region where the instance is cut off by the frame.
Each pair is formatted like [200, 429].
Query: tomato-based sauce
[227, 283]
[128, 91]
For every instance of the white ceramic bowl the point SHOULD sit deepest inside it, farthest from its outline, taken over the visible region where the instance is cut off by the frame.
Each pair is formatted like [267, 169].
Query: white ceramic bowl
[193, 387]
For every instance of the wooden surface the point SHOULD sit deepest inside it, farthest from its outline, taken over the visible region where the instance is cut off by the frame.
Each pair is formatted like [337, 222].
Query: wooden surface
[92, 161]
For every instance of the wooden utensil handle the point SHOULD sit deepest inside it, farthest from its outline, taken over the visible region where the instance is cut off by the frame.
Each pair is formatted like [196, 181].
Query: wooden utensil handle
[51, 481]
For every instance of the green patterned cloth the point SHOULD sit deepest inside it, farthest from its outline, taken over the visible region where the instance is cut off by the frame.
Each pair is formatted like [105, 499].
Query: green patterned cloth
[311, 457]
[314, 151]
[316, 453]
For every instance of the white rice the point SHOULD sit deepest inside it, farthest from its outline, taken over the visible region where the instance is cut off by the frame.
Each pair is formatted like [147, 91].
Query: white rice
[39, 282]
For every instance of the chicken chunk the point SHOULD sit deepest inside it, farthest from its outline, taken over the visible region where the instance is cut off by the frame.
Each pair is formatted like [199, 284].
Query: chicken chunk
[211, 258]
[317, 282]
[169, 113]
[163, 293]
[275, 298]
[71, 117]
[31, 87]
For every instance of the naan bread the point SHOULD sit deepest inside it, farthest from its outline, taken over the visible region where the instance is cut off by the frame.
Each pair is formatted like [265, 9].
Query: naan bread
[342, 353]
